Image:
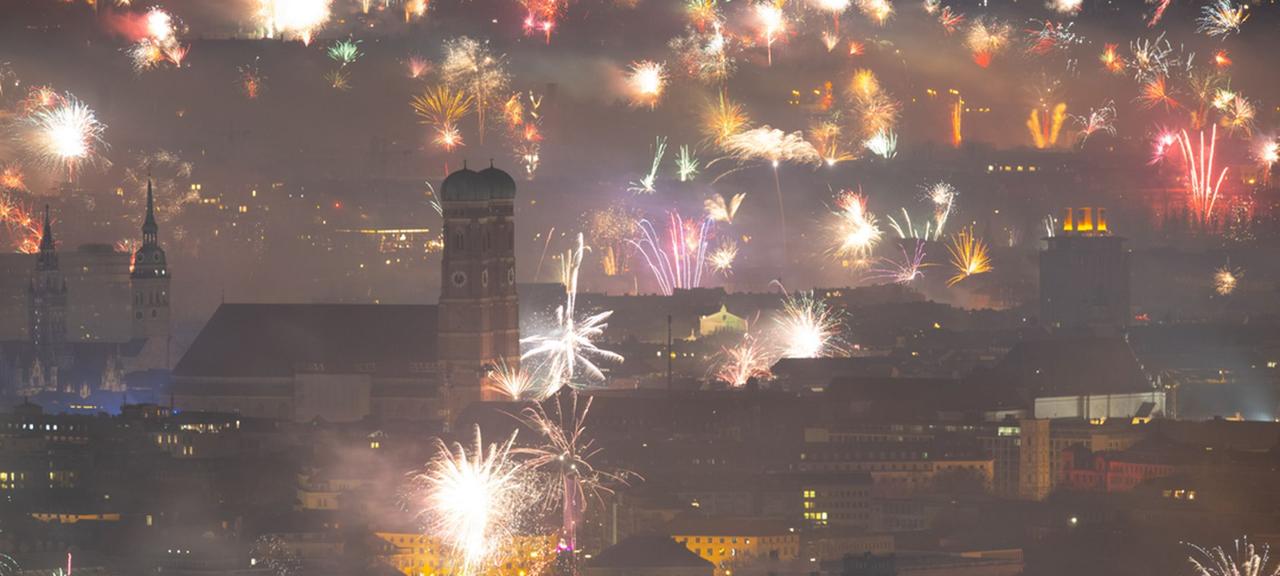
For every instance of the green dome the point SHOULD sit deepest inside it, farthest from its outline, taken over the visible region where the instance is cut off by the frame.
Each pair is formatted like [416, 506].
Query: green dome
[465, 186]
[501, 185]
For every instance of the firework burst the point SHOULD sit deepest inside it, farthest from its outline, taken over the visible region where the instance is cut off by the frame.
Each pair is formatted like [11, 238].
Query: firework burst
[968, 256]
[469, 65]
[772, 22]
[676, 259]
[471, 500]
[1099, 120]
[568, 349]
[986, 38]
[1111, 59]
[686, 164]
[723, 119]
[65, 135]
[721, 259]
[905, 271]
[1225, 280]
[302, 18]
[646, 81]
[345, 52]
[855, 231]
[442, 108]
[1202, 187]
[564, 460]
[1246, 560]
[719, 209]
[808, 327]
[1221, 18]
[646, 183]
[743, 362]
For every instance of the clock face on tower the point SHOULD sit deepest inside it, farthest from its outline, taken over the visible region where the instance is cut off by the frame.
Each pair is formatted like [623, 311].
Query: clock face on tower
[459, 279]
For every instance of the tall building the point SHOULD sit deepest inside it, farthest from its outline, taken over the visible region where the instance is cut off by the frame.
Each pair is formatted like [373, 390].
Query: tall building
[479, 317]
[150, 279]
[82, 320]
[1084, 274]
[48, 310]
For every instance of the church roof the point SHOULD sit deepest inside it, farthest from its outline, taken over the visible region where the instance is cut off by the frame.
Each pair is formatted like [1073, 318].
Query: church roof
[467, 185]
[280, 340]
[649, 551]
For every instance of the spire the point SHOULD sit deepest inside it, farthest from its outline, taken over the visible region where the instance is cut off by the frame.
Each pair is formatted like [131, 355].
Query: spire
[46, 233]
[150, 229]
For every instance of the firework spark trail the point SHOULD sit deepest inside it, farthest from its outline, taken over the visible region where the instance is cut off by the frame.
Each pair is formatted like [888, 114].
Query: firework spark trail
[472, 500]
[541, 16]
[775, 146]
[826, 138]
[1156, 57]
[564, 458]
[723, 119]
[24, 228]
[570, 345]
[471, 66]
[943, 197]
[516, 384]
[646, 183]
[855, 231]
[686, 164]
[1155, 92]
[1246, 560]
[950, 20]
[875, 110]
[1201, 185]
[677, 261]
[705, 56]
[646, 81]
[741, 363]
[1161, 6]
[702, 13]
[1050, 37]
[904, 272]
[67, 134]
[772, 22]
[720, 210]
[883, 144]
[968, 256]
[1099, 120]
[1221, 18]
[808, 328]
[1046, 128]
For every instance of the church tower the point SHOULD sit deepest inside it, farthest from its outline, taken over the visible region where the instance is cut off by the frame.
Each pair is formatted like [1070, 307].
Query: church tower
[49, 307]
[478, 316]
[150, 281]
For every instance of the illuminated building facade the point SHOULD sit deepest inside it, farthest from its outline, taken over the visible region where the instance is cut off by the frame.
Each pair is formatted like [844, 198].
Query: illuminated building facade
[1084, 274]
[726, 541]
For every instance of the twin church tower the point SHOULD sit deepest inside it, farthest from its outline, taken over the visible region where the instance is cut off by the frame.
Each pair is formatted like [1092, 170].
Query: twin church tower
[479, 314]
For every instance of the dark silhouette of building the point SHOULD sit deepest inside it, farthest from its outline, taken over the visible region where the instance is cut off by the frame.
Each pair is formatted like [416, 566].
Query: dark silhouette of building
[150, 280]
[479, 319]
[49, 310]
[1084, 274]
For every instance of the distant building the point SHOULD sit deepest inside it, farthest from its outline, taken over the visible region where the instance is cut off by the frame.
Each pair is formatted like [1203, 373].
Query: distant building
[1084, 274]
[648, 555]
[83, 321]
[349, 362]
[728, 542]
